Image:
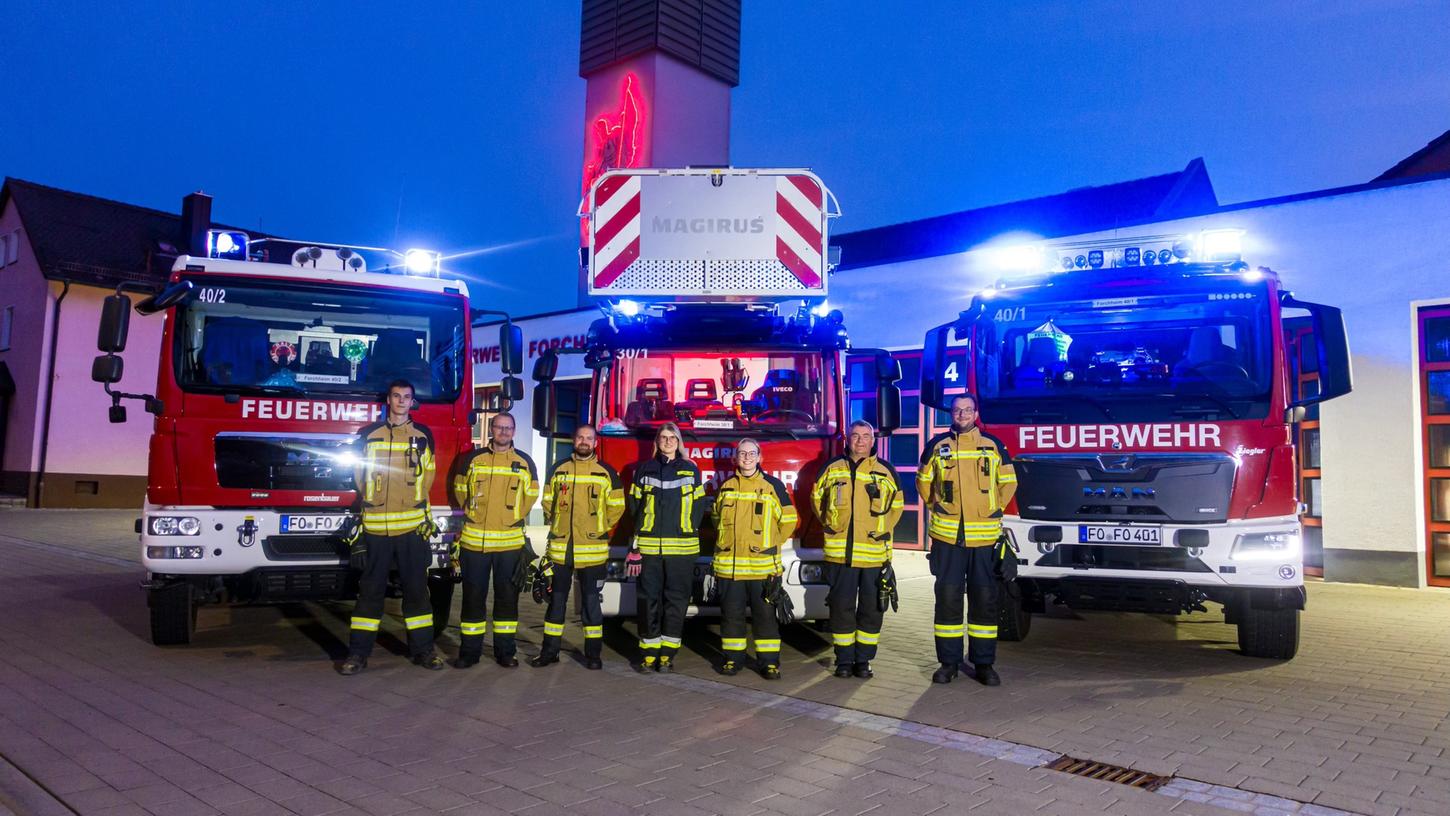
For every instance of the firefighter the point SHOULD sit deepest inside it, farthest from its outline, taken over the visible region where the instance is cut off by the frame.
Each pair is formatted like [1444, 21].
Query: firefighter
[857, 498]
[583, 500]
[965, 480]
[753, 517]
[393, 474]
[496, 486]
[665, 501]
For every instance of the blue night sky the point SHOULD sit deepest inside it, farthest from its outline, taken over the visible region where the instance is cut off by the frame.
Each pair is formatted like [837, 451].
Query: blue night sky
[459, 126]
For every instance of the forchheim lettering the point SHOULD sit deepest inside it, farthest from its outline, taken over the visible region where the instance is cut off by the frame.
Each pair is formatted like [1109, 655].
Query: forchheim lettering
[708, 226]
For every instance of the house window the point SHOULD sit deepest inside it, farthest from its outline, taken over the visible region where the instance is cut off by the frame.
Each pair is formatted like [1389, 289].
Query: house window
[4, 249]
[12, 249]
[7, 317]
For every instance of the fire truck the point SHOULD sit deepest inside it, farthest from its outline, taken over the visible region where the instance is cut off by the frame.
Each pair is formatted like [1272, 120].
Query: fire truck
[713, 285]
[1148, 394]
[266, 373]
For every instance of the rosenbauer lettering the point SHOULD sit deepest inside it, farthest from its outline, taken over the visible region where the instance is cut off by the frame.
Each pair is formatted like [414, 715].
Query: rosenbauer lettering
[1164, 435]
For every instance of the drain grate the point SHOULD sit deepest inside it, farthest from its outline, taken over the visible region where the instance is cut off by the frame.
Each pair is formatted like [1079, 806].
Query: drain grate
[1108, 773]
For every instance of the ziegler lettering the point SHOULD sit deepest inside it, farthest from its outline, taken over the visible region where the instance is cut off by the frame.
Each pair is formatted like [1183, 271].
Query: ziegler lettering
[310, 410]
[1172, 435]
[708, 226]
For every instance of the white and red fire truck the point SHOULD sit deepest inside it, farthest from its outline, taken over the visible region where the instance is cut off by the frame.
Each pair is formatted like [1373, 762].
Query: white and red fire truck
[713, 283]
[1149, 395]
[266, 373]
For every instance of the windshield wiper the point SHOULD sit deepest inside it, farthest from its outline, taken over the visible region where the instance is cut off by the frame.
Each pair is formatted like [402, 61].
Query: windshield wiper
[1223, 406]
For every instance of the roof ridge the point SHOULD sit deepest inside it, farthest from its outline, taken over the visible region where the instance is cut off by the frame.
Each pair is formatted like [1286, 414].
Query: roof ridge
[1404, 164]
[26, 183]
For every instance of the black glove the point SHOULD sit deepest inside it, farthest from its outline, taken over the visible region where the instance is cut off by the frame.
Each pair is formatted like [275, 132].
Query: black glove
[1004, 559]
[357, 554]
[542, 578]
[520, 578]
[886, 594]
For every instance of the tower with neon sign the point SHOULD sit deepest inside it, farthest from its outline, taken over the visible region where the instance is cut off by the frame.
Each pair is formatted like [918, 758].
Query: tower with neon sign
[659, 76]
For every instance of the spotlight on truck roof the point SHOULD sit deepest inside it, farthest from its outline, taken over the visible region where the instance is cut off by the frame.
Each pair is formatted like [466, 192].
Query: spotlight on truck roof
[1019, 258]
[229, 245]
[1220, 245]
[421, 261]
[628, 308]
[821, 309]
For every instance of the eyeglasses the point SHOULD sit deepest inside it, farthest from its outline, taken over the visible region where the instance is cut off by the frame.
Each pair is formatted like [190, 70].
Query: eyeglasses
[748, 454]
[956, 411]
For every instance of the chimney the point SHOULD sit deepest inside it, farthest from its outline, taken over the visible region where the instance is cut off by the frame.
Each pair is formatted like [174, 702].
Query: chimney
[196, 220]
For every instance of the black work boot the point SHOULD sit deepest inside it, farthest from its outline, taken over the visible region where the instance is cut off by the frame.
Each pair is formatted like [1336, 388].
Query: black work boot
[544, 659]
[465, 662]
[430, 661]
[987, 676]
[842, 670]
[863, 671]
[945, 674]
[352, 665]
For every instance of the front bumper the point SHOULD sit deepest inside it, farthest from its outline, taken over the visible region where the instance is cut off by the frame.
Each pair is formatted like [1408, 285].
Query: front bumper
[234, 542]
[1196, 555]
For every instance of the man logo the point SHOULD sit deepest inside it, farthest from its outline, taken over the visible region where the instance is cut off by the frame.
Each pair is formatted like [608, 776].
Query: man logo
[1286, 572]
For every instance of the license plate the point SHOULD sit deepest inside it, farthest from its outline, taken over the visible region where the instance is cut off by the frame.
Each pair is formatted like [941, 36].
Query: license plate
[1118, 534]
[311, 524]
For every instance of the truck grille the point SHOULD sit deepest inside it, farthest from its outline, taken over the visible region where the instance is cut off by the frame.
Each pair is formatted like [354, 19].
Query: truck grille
[1103, 556]
[283, 463]
[315, 584]
[1184, 488]
[303, 547]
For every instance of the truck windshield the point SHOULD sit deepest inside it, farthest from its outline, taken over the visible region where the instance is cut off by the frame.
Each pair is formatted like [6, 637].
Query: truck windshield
[1205, 355]
[252, 336]
[710, 392]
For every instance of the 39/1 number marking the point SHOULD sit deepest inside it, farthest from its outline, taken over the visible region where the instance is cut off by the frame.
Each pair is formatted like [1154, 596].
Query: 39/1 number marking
[211, 294]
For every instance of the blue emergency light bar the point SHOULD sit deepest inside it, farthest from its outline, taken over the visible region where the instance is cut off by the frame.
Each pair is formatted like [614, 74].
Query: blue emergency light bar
[227, 245]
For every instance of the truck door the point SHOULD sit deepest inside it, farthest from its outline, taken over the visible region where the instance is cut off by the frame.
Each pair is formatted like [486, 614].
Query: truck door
[1304, 382]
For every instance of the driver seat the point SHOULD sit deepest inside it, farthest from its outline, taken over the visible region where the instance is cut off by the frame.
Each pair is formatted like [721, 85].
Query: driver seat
[651, 402]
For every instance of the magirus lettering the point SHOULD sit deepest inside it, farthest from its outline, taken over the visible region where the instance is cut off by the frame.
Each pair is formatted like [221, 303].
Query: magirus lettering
[708, 226]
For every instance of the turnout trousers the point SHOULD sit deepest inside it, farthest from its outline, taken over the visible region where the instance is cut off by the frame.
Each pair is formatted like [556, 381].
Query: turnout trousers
[412, 557]
[961, 569]
[735, 598]
[479, 569]
[855, 617]
[591, 583]
[662, 596]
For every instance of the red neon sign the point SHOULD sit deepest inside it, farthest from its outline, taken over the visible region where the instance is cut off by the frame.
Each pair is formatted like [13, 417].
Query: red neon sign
[616, 139]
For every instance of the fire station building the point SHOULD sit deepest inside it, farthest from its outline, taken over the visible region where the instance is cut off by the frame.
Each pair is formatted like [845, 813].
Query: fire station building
[1374, 465]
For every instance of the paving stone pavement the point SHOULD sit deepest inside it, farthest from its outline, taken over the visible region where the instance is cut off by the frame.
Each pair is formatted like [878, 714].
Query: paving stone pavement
[251, 719]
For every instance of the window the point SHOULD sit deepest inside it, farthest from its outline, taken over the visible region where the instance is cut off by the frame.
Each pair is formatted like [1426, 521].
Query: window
[12, 252]
[1310, 451]
[7, 318]
[4, 249]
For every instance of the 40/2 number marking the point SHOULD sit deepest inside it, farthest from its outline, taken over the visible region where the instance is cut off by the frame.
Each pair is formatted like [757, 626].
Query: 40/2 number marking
[211, 294]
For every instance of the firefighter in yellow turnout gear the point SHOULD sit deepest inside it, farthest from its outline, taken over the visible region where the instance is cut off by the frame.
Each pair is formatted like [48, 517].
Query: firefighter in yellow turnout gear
[393, 474]
[857, 498]
[753, 518]
[496, 486]
[583, 500]
[965, 480]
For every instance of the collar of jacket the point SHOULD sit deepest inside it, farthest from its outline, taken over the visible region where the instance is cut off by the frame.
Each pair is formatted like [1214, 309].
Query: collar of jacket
[665, 460]
[574, 457]
[492, 449]
[408, 421]
[975, 430]
[856, 464]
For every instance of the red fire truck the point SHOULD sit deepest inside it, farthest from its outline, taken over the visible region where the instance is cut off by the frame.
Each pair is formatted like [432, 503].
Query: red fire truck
[1149, 397]
[694, 269]
[266, 373]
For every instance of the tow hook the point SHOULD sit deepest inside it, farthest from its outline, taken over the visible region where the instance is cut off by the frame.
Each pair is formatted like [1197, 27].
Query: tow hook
[1195, 601]
[247, 532]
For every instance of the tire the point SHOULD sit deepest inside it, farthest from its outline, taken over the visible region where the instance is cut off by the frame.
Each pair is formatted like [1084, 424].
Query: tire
[1013, 619]
[1269, 633]
[173, 614]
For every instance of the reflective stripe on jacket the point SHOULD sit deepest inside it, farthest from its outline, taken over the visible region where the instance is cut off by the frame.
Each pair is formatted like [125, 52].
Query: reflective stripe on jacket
[664, 502]
[753, 517]
[858, 504]
[496, 490]
[393, 474]
[583, 501]
[965, 480]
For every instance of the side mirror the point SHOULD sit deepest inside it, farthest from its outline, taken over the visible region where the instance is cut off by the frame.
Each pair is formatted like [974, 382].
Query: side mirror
[933, 361]
[1331, 346]
[107, 369]
[888, 407]
[117, 414]
[513, 389]
[598, 359]
[115, 324]
[544, 408]
[170, 296]
[511, 348]
[1294, 414]
[546, 366]
[888, 368]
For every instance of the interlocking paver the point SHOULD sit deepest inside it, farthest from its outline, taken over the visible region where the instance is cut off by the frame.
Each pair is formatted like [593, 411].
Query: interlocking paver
[105, 715]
